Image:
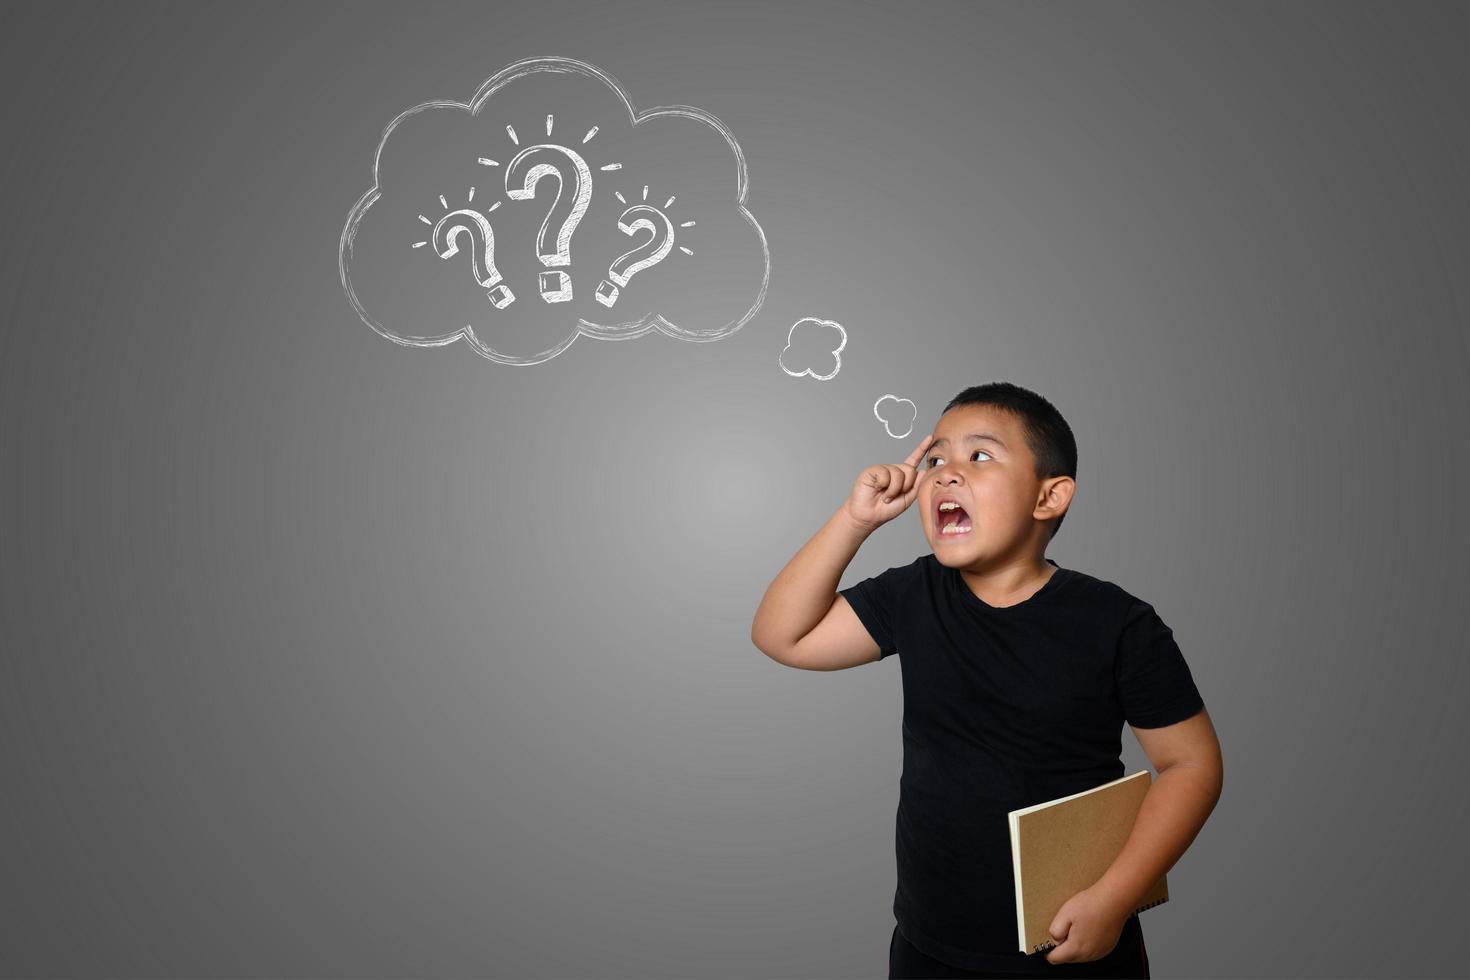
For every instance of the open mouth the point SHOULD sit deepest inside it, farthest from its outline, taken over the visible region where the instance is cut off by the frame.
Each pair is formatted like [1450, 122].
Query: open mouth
[951, 520]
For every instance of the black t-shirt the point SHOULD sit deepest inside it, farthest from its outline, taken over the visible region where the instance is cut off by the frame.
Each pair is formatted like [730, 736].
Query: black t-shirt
[1004, 707]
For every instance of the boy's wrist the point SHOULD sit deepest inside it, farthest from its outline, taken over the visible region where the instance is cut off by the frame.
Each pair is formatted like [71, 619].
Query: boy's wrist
[853, 524]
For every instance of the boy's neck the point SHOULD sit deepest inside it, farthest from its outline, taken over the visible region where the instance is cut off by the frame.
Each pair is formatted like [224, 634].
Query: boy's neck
[1011, 581]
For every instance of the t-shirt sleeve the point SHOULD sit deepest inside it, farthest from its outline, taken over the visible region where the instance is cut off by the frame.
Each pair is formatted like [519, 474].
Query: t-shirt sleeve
[1154, 682]
[879, 604]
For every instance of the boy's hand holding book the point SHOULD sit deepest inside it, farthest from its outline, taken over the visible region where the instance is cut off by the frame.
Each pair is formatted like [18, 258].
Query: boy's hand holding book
[1061, 850]
[1087, 927]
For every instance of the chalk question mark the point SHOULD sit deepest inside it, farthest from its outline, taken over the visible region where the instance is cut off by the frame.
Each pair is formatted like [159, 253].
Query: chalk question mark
[521, 178]
[456, 224]
[640, 217]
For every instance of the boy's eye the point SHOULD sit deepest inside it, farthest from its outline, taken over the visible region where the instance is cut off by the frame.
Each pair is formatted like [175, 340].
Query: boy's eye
[931, 459]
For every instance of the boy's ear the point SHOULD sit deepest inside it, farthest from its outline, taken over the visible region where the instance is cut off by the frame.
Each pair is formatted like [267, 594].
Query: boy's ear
[1055, 497]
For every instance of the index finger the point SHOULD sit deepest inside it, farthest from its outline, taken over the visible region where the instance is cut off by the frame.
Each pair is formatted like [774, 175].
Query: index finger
[914, 456]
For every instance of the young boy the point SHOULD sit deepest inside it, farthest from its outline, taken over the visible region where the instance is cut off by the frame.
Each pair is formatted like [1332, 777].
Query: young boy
[1018, 675]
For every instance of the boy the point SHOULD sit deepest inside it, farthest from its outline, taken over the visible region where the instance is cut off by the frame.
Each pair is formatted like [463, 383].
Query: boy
[1017, 677]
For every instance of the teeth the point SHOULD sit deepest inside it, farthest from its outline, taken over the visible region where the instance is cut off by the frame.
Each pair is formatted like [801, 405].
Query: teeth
[948, 505]
[956, 529]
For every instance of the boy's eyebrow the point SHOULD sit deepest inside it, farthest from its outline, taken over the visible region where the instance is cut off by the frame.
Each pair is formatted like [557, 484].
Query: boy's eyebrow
[973, 437]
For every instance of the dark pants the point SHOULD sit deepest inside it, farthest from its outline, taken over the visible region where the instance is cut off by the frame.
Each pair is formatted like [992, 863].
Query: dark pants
[1127, 961]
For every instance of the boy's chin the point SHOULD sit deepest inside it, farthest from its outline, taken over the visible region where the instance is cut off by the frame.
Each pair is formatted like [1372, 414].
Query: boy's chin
[954, 553]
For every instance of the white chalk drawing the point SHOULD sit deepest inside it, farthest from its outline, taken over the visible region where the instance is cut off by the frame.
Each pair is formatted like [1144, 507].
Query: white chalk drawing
[640, 217]
[550, 223]
[896, 415]
[474, 226]
[815, 335]
[521, 178]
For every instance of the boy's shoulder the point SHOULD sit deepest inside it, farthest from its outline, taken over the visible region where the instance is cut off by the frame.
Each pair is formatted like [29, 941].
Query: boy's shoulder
[1106, 601]
[1099, 586]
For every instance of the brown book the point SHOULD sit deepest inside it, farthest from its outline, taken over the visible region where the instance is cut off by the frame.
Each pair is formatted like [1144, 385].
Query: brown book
[1062, 846]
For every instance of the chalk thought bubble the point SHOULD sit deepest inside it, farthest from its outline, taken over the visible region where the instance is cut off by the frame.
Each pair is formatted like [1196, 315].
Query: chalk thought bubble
[896, 412]
[547, 208]
[813, 341]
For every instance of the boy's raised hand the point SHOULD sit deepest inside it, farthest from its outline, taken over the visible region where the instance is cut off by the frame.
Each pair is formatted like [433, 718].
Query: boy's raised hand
[884, 491]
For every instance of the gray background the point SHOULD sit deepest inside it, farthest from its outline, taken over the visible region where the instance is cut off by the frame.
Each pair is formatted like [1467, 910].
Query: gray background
[322, 656]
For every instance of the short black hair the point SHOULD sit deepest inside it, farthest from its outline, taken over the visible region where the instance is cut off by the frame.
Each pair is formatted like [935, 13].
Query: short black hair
[1047, 433]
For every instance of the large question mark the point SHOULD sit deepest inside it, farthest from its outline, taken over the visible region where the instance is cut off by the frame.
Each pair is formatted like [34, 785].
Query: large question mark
[482, 250]
[521, 177]
[640, 217]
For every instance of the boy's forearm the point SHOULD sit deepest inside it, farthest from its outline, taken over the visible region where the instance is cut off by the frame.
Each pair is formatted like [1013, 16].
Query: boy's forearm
[1173, 811]
[803, 591]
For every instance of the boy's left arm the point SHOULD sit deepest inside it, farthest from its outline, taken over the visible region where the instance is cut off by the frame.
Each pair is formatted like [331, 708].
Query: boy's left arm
[1191, 777]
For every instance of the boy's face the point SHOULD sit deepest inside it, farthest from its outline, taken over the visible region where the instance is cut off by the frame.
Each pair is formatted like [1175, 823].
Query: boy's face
[992, 479]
